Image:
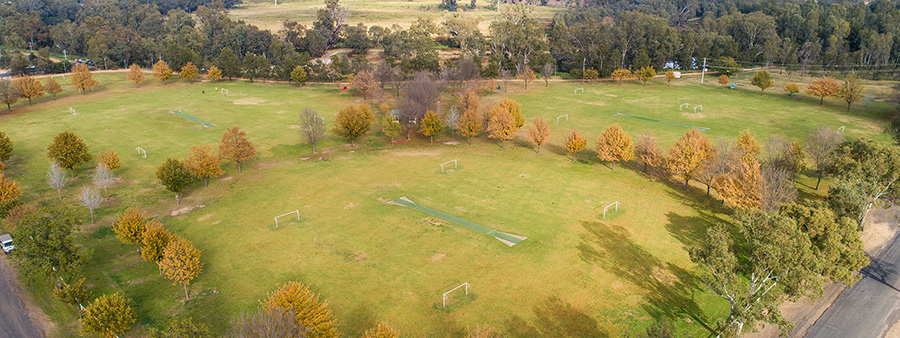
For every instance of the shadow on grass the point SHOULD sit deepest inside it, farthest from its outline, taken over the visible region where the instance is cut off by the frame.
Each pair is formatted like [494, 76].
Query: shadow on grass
[668, 289]
[555, 318]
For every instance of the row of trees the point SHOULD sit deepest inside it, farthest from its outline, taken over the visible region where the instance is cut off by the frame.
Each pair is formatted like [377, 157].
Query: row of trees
[849, 90]
[27, 87]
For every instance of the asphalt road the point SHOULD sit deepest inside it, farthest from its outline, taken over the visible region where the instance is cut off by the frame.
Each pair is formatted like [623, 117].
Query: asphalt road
[14, 320]
[871, 306]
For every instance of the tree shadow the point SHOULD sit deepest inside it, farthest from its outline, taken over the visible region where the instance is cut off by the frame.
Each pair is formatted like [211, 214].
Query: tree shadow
[555, 318]
[880, 271]
[668, 289]
[689, 230]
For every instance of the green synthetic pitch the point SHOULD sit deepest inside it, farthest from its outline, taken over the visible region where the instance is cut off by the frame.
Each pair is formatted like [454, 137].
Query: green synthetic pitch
[663, 122]
[204, 123]
[503, 237]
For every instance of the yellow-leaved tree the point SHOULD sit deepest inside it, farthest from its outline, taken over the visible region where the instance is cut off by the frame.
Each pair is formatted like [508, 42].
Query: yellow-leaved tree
[575, 142]
[214, 73]
[154, 240]
[527, 75]
[353, 121]
[792, 88]
[645, 74]
[670, 75]
[312, 313]
[130, 226]
[135, 74]
[9, 189]
[189, 72]
[181, 263]
[236, 148]
[82, 78]
[502, 125]
[381, 331]
[647, 150]
[513, 108]
[741, 186]
[52, 87]
[108, 316]
[688, 154]
[431, 125]
[203, 163]
[110, 159]
[390, 127]
[469, 124]
[621, 74]
[539, 132]
[28, 87]
[723, 79]
[615, 145]
[68, 150]
[162, 71]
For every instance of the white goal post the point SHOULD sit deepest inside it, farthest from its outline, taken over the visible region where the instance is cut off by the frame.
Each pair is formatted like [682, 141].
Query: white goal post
[841, 129]
[224, 91]
[455, 165]
[581, 89]
[141, 151]
[466, 284]
[72, 110]
[292, 212]
[616, 204]
[700, 106]
[564, 115]
[683, 105]
[323, 119]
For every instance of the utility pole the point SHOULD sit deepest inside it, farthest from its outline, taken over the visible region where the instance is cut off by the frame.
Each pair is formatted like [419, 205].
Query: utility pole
[703, 71]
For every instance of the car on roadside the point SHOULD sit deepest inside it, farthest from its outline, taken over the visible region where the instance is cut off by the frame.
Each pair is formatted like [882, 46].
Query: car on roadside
[6, 242]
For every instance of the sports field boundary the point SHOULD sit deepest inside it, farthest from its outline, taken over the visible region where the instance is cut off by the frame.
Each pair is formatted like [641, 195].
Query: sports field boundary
[182, 114]
[508, 239]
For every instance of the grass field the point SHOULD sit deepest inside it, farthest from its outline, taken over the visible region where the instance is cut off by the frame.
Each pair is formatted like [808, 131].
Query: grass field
[384, 13]
[576, 273]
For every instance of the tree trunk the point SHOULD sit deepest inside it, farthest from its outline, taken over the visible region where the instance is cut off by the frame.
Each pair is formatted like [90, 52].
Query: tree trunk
[177, 201]
[239, 168]
[58, 195]
[865, 214]
[538, 149]
[29, 101]
[186, 296]
[352, 144]
[645, 167]
[707, 190]
[686, 184]
[432, 138]
[821, 100]
[614, 165]
[314, 148]
[848, 105]
[72, 170]
[819, 181]
[206, 181]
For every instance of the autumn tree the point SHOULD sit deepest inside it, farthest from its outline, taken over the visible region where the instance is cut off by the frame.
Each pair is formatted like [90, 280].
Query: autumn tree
[9, 189]
[527, 75]
[502, 125]
[513, 108]
[590, 74]
[108, 316]
[824, 87]
[575, 142]
[90, 198]
[645, 74]
[614, 145]
[203, 163]
[469, 125]
[719, 163]
[381, 331]
[298, 75]
[762, 80]
[28, 87]
[181, 263]
[175, 176]
[851, 90]
[390, 127]
[9, 94]
[312, 313]
[234, 147]
[189, 72]
[687, 155]
[6, 148]
[621, 74]
[820, 146]
[135, 74]
[68, 150]
[52, 87]
[539, 132]
[784, 154]
[312, 127]
[353, 121]
[647, 151]
[670, 75]
[741, 187]
[162, 71]
[109, 158]
[723, 79]
[431, 125]
[214, 73]
[154, 239]
[130, 226]
[82, 78]
[792, 88]
[364, 84]
[56, 178]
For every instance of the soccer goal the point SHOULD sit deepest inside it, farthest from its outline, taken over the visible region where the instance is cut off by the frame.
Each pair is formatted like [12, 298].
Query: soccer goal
[287, 214]
[224, 91]
[561, 116]
[72, 110]
[841, 129]
[695, 108]
[141, 151]
[455, 165]
[466, 284]
[615, 204]
[683, 105]
[323, 119]
[581, 89]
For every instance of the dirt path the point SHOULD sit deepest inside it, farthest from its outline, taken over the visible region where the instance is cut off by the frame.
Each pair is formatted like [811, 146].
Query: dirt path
[17, 317]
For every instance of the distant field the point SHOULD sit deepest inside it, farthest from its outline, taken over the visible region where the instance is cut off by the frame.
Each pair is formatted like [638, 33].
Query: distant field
[385, 13]
[376, 262]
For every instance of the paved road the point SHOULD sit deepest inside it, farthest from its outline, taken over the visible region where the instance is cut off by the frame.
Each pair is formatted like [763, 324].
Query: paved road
[14, 321]
[869, 308]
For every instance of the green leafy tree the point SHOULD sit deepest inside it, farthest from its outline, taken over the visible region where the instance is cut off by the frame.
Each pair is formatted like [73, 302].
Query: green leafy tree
[762, 80]
[68, 150]
[868, 168]
[71, 293]
[183, 328]
[298, 75]
[230, 63]
[727, 66]
[45, 245]
[175, 176]
[108, 316]
[835, 240]
[6, 147]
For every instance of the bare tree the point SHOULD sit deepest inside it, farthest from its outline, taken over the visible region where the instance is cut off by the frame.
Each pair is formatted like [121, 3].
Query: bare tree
[505, 75]
[546, 72]
[820, 144]
[778, 188]
[422, 94]
[274, 323]
[468, 70]
[103, 177]
[56, 178]
[90, 198]
[312, 126]
[716, 165]
[385, 73]
[451, 120]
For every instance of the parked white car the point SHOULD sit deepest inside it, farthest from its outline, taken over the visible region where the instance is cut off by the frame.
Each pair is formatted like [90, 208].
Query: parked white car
[7, 243]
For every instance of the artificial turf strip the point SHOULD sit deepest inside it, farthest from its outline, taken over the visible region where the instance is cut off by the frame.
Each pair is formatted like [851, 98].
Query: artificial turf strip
[506, 238]
[664, 122]
[204, 123]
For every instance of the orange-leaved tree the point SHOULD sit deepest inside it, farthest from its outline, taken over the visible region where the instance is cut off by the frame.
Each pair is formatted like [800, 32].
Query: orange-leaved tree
[647, 150]
[502, 125]
[539, 132]
[615, 145]
[469, 124]
[28, 87]
[575, 142]
[824, 87]
[181, 263]
[162, 71]
[135, 74]
[741, 186]
[52, 87]
[154, 240]
[312, 313]
[110, 159]
[9, 189]
[686, 156]
[189, 72]
[203, 163]
[236, 148]
[381, 331]
[513, 108]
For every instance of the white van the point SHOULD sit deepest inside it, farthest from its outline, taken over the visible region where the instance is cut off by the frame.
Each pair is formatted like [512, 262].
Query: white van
[7, 243]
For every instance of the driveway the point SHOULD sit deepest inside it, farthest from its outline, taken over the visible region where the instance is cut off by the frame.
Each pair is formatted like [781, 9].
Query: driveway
[14, 320]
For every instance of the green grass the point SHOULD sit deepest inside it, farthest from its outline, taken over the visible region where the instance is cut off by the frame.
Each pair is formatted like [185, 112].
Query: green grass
[384, 13]
[376, 262]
